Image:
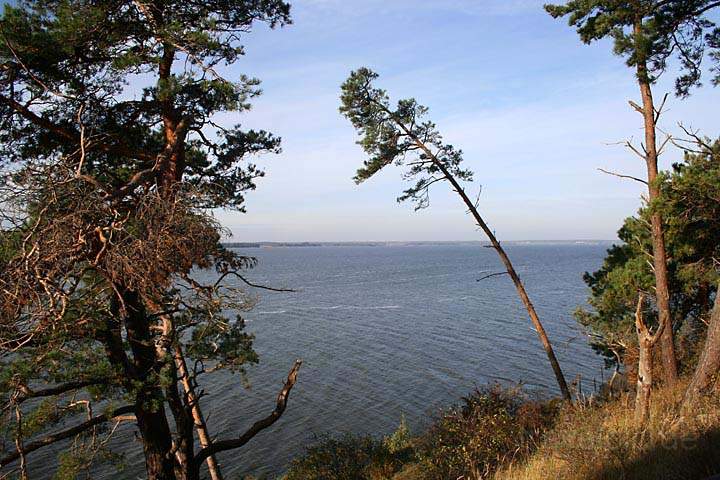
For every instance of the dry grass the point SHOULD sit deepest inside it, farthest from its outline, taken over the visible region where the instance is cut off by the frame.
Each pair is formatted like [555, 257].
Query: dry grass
[603, 442]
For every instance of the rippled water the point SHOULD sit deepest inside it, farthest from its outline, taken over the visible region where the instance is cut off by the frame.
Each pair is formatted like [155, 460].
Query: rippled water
[388, 331]
[391, 331]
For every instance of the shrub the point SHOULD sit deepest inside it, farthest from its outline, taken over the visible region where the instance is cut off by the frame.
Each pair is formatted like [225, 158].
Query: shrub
[492, 426]
[352, 457]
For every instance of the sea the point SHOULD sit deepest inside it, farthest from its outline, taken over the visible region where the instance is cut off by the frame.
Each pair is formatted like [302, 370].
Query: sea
[390, 331]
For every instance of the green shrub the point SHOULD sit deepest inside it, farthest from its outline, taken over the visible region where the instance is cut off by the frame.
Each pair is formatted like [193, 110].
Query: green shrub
[490, 428]
[351, 457]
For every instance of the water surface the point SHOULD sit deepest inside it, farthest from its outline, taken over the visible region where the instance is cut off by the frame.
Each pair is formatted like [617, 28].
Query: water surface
[396, 330]
[385, 331]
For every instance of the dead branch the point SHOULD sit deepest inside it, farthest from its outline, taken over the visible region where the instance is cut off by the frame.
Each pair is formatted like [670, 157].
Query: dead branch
[264, 287]
[70, 432]
[492, 275]
[636, 107]
[257, 427]
[630, 177]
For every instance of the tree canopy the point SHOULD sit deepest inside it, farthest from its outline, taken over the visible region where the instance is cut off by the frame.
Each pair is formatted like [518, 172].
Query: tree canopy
[111, 154]
[651, 32]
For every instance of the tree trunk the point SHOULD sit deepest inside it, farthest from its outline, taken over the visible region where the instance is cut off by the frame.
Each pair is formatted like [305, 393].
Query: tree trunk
[197, 416]
[709, 363]
[646, 343]
[156, 436]
[662, 290]
[149, 401]
[183, 443]
[559, 377]
[644, 380]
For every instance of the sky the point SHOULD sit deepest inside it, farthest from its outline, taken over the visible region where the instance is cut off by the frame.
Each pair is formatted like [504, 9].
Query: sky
[535, 111]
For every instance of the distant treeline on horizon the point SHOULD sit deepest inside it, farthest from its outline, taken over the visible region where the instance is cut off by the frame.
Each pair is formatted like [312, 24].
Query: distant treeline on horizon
[412, 243]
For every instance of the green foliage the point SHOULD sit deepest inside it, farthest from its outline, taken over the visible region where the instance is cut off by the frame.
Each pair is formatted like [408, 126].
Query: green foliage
[74, 463]
[689, 202]
[400, 440]
[110, 158]
[399, 136]
[346, 458]
[650, 32]
[70, 61]
[492, 427]
[227, 344]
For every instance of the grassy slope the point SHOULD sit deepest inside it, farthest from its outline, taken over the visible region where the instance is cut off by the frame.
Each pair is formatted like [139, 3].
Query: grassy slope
[604, 443]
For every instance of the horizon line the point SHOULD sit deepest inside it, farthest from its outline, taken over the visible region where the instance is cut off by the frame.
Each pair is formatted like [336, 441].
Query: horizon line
[272, 242]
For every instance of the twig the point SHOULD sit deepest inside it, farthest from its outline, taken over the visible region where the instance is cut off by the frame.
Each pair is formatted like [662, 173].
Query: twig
[623, 176]
[492, 275]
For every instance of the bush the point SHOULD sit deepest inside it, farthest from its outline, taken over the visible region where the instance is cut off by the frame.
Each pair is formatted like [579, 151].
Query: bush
[351, 457]
[492, 427]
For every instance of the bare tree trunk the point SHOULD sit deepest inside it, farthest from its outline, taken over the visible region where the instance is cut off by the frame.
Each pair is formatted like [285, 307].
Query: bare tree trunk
[559, 377]
[709, 363]
[646, 343]
[198, 419]
[662, 290]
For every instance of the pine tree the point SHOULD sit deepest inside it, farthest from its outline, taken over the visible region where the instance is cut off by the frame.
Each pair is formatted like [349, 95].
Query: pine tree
[403, 136]
[111, 160]
[648, 33]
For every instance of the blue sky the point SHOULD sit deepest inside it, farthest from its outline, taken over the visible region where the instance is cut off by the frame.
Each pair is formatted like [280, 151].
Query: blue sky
[535, 111]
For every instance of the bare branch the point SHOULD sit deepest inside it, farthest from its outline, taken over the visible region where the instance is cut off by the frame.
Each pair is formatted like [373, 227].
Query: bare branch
[264, 287]
[492, 275]
[70, 432]
[623, 176]
[636, 107]
[257, 427]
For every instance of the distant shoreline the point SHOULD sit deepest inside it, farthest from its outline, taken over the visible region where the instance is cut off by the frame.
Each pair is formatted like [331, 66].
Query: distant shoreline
[411, 243]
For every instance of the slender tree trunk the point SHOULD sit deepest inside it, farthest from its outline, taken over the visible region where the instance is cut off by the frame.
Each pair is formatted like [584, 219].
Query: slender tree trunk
[197, 416]
[709, 364]
[559, 377]
[183, 443]
[644, 381]
[662, 290]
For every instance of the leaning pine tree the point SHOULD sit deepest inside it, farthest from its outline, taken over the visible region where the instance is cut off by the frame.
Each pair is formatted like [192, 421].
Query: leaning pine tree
[401, 136]
[111, 161]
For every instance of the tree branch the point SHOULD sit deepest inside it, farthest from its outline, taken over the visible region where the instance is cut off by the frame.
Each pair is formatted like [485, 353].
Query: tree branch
[492, 275]
[70, 432]
[623, 176]
[66, 134]
[257, 427]
[56, 390]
